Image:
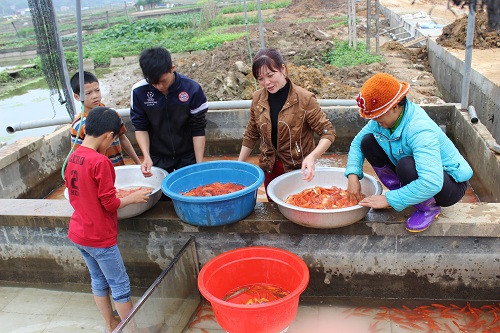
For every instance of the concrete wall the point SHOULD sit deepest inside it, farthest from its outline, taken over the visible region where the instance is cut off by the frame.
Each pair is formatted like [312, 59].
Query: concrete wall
[475, 142]
[15, 56]
[448, 71]
[484, 95]
[31, 167]
[457, 258]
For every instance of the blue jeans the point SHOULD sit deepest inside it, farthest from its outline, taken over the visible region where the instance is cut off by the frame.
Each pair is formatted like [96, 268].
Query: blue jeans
[107, 271]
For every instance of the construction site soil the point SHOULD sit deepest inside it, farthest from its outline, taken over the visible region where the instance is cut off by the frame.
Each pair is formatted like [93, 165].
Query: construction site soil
[303, 32]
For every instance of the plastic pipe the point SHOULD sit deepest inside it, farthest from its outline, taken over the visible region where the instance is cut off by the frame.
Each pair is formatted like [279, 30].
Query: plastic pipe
[217, 105]
[37, 123]
[472, 114]
[48, 122]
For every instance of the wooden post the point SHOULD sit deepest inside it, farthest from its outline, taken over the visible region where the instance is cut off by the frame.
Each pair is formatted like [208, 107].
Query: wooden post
[17, 33]
[351, 26]
[372, 18]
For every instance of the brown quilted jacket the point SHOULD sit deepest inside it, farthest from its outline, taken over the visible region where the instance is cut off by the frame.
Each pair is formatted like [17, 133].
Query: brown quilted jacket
[299, 119]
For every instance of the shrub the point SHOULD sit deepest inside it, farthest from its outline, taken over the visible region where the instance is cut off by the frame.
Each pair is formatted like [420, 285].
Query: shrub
[341, 55]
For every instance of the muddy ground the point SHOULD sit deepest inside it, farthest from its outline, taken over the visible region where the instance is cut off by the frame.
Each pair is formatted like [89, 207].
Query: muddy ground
[224, 73]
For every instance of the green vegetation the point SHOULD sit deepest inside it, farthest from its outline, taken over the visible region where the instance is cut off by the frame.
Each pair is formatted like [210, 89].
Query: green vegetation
[178, 33]
[204, 30]
[252, 6]
[23, 75]
[26, 76]
[174, 32]
[340, 21]
[341, 55]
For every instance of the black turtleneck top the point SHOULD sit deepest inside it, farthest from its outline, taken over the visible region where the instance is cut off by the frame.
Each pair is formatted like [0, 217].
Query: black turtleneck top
[276, 102]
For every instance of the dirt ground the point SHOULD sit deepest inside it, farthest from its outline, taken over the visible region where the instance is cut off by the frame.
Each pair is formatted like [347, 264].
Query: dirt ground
[225, 74]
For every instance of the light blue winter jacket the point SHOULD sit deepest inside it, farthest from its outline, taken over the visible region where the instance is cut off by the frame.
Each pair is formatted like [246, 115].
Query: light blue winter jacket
[419, 136]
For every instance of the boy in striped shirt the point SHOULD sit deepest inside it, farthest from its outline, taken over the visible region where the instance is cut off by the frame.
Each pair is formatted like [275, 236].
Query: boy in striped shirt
[93, 99]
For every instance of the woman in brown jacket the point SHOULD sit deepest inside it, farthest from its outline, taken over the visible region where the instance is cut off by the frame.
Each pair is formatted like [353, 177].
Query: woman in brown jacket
[284, 117]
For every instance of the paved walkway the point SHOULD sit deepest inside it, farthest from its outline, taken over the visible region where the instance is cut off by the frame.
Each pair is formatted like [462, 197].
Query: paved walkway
[35, 310]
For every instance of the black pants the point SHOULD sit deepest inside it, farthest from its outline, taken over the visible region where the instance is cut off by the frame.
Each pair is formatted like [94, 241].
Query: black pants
[170, 164]
[406, 171]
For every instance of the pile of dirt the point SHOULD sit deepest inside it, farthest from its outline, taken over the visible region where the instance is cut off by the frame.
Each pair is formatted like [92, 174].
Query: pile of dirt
[314, 8]
[454, 35]
[225, 72]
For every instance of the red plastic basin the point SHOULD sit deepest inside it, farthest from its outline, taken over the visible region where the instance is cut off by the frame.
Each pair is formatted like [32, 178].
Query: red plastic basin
[248, 266]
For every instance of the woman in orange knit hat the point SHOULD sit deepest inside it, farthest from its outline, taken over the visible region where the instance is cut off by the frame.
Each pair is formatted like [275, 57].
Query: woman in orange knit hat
[409, 152]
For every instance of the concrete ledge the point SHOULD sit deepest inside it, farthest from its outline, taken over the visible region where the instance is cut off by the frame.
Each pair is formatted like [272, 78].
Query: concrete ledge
[457, 257]
[31, 167]
[461, 220]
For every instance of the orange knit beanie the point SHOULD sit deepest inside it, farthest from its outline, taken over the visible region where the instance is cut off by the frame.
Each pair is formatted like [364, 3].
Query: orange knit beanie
[379, 94]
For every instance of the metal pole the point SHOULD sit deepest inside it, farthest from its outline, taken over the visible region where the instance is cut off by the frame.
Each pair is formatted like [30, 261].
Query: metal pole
[353, 22]
[80, 48]
[126, 11]
[368, 24]
[469, 44]
[245, 12]
[377, 11]
[248, 40]
[261, 31]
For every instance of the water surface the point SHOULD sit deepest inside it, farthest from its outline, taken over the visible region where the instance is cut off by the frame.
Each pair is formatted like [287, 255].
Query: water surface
[33, 102]
[29, 103]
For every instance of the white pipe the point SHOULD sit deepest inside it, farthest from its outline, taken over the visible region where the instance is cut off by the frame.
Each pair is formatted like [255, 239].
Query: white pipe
[245, 104]
[469, 44]
[49, 122]
[472, 114]
[217, 105]
[37, 123]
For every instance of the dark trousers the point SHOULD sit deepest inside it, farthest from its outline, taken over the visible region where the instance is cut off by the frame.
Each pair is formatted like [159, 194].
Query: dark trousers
[278, 170]
[170, 164]
[406, 171]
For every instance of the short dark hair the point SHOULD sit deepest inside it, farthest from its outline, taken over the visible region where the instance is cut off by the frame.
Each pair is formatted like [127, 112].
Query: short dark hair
[403, 101]
[101, 120]
[269, 58]
[154, 62]
[87, 78]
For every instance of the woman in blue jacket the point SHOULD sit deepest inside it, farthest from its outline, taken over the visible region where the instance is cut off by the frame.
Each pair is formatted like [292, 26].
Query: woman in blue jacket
[409, 152]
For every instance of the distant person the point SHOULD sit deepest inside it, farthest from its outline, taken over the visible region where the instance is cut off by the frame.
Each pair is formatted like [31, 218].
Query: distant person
[285, 118]
[93, 227]
[409, 152]
[168, 111]
[93, 99]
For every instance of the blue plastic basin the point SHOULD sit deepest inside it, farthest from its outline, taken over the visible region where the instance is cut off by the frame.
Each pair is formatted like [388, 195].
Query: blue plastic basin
[216, 210]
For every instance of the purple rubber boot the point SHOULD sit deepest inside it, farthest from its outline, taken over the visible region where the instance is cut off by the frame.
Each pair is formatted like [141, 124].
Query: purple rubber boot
[388, 177]
[423, 216]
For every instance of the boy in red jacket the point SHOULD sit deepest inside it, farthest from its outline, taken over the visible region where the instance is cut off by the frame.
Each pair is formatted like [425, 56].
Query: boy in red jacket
[93, 228]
